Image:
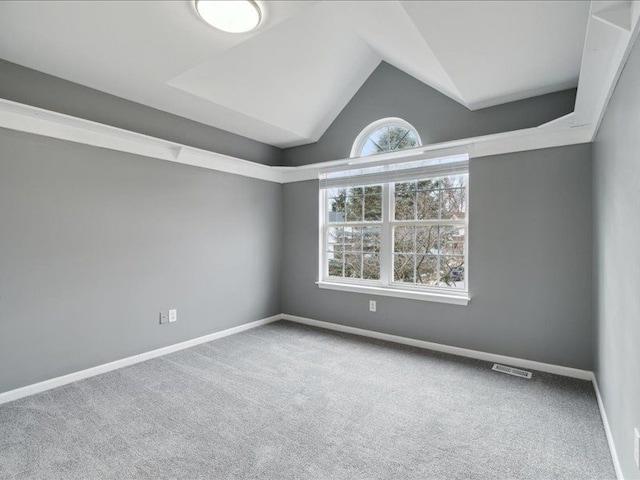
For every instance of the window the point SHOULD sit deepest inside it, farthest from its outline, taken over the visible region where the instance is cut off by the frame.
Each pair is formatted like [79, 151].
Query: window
[397, 228]
[385, 135]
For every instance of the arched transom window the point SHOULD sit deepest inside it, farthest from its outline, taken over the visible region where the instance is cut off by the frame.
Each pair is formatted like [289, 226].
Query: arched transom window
[385, 135]
[396, 224]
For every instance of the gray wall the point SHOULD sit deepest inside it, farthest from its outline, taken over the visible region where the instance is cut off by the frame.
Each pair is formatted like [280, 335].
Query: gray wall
[617, 263]
[94, 243]
[389, 92]
[529, 264]
[23, 85]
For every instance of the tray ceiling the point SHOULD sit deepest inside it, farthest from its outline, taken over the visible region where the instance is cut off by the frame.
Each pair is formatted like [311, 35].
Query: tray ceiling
[286, 82]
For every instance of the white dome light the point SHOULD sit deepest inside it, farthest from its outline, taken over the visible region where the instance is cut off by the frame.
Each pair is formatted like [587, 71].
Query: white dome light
[235, 16]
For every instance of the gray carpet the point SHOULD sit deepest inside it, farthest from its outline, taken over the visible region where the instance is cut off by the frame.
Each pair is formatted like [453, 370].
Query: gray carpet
[287, 401]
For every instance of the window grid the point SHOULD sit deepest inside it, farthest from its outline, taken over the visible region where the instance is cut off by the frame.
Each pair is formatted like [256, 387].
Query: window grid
[386, 253]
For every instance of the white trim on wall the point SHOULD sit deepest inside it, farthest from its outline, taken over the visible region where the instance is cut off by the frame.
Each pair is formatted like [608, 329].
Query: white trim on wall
[487, 145]
[612, 30]
[29, 119]
[445, 297]
[438, 347]
[607, 431]
[45, 385]
[39, 387]
[601, 66]
[21, 392]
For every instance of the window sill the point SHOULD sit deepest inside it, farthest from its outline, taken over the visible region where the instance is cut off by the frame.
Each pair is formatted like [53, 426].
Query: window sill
[455, 299]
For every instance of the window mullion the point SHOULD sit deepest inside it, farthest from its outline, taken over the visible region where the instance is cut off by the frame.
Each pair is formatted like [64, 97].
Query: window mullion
[323, 267]
[386, 242]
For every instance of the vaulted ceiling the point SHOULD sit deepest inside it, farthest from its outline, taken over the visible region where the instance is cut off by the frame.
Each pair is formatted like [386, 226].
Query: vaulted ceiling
[286, 82]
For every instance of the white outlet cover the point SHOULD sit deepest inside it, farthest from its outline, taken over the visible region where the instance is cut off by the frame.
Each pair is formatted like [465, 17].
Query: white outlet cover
[372, 305]
[173, 316]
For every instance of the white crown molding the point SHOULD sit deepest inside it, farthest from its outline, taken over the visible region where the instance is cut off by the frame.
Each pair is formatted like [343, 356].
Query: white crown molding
[612, 30]
[566, 121]
[26, 118]
[39, 387]
[487, 145]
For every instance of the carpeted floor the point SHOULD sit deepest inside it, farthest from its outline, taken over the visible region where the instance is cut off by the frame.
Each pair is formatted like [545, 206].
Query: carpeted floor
[288, 401]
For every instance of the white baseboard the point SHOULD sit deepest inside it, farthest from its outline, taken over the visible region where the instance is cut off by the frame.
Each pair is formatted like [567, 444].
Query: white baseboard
[438, 347]
[478, 355]
[125, 362]
[464, 352]
[607, 431]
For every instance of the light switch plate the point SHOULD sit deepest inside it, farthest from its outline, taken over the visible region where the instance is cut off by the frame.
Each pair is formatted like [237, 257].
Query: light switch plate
[163, 317]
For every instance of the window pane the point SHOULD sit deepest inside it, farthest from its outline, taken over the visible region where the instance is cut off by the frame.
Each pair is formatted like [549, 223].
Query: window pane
[379, 140]
[404, 239]
[405, 206]
[409, 239]
[452, 240]
[335, 239]
[455, 181]
[404, 187]
[371, 267]
[389, 137]
[453, 274]
[405, 200]
[371, 239]
[354, 204]
[354, 208]
[428, 204]
[336, 192]
[409, 141]
[434, 254]
[403, 268]
[336, 264]
[427, 270]
[370, 147]
[353, 265]
[429, 253]
[429, 184]
[353, 239]
[453, 203]
[427, 240]
[373, 208]
[336, 206]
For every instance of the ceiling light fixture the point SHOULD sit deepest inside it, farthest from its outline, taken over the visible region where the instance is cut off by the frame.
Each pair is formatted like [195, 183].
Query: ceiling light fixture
[235, 16]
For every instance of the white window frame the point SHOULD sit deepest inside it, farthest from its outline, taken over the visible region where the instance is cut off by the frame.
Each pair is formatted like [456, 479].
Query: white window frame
[362, 138]
[386, 286]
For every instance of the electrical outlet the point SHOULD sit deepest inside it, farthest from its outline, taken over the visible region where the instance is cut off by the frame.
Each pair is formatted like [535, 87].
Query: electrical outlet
[372, 305]
[173, 315]
[636, 447]
[163, 317]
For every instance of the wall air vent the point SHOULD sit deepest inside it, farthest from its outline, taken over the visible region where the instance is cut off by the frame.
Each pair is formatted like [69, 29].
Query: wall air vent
[511, 371]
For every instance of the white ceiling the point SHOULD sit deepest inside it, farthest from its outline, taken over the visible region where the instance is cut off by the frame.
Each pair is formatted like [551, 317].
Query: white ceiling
[286, 82]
